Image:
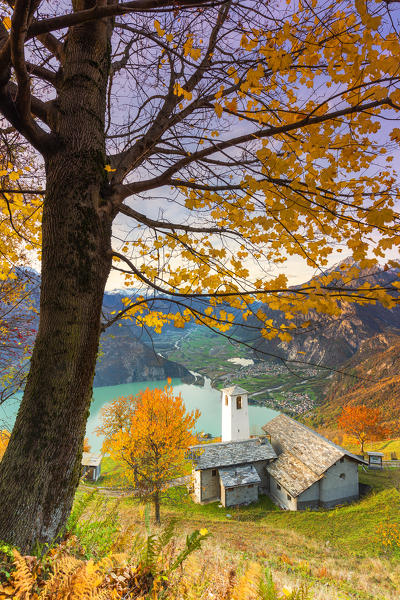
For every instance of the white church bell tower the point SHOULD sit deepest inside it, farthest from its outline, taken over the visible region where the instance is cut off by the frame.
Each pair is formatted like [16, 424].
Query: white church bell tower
[235, 414]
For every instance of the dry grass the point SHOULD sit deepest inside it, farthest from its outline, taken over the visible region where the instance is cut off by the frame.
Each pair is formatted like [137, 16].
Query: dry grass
[292, 557]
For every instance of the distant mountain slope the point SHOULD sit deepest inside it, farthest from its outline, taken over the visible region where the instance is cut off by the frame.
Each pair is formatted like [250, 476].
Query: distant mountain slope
[332, 341]
[126, 353]
[124, 358]
[375, 382]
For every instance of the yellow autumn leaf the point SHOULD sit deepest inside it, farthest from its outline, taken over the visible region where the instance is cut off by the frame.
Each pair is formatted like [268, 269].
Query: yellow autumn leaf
[158, 28]
[218, 109]
[109, 169]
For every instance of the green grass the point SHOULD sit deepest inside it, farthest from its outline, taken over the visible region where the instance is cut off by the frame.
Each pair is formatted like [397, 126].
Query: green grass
[381, 480]
[178, 499]
[111, 474]
[353, 528]
[343, 544]
[385, 446]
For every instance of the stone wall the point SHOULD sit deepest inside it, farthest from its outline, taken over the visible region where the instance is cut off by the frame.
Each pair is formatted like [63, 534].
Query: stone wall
[340, 483]
[196, 481]
[281, 496]
[260, 467]
[210, 485]
[243, 494]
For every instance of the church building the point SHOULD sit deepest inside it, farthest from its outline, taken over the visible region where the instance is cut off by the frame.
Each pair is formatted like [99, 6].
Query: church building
[233, 471]
[294, 465]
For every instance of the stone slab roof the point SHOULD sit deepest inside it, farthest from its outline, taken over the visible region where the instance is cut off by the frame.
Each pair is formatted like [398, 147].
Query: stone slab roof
[292, 474]
[225, 454]
[234, 390]
[312, 449]
[240, 475]
[90, 459]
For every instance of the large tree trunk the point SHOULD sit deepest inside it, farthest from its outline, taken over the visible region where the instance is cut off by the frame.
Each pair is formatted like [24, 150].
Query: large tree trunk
[40, 470]
[156, 499]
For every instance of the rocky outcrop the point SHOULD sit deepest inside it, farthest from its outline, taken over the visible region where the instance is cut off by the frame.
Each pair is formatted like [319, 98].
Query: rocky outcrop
[332, 341]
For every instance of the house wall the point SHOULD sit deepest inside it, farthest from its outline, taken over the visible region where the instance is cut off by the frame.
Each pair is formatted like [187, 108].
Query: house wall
[280, 496]
[276, 446]
[309, 498]
[210, 486]
[222, 495]
[335, 489]
[196, 480]
[243, 494]
[91, 473]
[260, 467]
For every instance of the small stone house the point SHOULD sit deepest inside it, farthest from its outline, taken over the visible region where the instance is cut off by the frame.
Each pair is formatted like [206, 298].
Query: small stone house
[91, 465]
[232, 472]
[310, 471]
[294, 465]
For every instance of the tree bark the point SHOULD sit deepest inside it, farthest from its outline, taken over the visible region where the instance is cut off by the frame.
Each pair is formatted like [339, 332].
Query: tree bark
[156, 499]
[40, 470]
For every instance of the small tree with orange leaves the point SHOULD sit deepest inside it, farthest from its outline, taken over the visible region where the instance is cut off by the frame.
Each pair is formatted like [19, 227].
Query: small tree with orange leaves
[363, 423]
[149, 434]
[4, 437]
[86, 445]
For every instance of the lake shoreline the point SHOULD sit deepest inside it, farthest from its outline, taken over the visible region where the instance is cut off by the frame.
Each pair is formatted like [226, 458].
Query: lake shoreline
[205, 398]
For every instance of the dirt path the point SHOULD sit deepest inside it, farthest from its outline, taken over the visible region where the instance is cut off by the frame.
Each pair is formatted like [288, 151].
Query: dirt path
[110, 492]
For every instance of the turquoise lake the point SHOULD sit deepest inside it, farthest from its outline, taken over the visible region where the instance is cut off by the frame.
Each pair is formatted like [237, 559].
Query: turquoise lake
[206, 399]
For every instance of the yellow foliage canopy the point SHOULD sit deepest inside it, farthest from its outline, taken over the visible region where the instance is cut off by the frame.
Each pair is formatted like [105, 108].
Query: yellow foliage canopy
[4, 437]
[311, 176]
[149, 434]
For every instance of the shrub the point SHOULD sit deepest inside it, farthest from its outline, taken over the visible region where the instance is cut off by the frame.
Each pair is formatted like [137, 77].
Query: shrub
[94, 521]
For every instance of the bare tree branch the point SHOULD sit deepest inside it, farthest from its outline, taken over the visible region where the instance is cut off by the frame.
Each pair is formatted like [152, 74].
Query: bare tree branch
[112, 10]
[140, 186]
[157, 224]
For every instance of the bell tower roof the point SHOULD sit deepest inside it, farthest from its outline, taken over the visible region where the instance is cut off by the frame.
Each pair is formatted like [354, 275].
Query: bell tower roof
[234, 390]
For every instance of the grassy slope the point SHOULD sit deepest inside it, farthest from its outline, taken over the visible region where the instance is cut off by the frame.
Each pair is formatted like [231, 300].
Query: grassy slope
[349, 527]
[339, 551]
